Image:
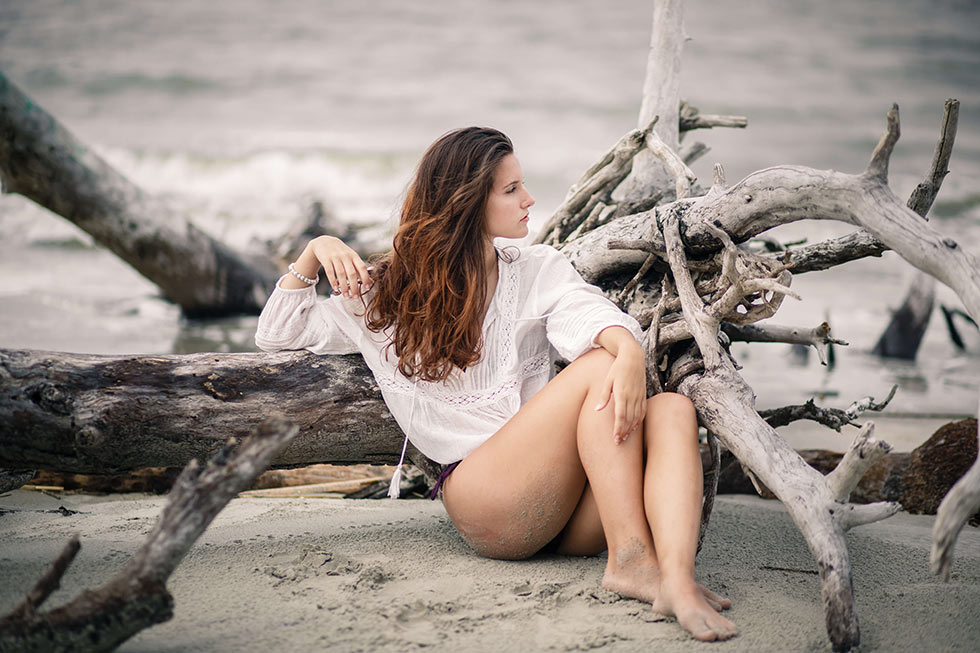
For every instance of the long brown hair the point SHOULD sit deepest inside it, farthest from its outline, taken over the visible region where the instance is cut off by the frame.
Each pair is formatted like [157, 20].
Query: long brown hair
[431, 288]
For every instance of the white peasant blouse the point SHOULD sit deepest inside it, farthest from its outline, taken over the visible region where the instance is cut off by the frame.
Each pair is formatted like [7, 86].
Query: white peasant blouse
[541, 310]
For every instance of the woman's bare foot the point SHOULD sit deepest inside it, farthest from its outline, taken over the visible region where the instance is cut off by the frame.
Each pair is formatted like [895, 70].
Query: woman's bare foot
[686, 601]
[716, 601]
[634, 573]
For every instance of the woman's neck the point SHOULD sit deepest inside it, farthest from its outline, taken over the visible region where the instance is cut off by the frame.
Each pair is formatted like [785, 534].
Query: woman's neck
[490, 259]
[492, 271]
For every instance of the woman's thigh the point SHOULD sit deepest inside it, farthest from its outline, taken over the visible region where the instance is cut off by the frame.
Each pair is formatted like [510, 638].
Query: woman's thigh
[517, 491]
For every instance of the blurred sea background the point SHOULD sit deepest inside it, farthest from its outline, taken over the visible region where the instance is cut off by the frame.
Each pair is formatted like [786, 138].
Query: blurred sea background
[244, 113]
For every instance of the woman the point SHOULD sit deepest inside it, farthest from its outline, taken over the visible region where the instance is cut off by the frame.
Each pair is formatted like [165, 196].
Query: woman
[462, 339]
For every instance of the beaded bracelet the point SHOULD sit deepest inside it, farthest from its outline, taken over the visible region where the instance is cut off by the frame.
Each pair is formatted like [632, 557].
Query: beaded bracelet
[305, 279]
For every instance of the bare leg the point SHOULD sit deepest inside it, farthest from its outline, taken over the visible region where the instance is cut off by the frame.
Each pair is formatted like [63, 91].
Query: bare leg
[526, 483]
[672, 498]
[616, 478]
[583, 535]
[519, 489]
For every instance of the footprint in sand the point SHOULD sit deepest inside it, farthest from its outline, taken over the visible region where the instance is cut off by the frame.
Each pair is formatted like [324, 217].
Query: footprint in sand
[312, 562]
[373, 577]
[539, 591]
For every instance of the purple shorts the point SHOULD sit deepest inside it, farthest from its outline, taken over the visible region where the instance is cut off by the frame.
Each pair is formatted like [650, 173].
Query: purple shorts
[446, 471]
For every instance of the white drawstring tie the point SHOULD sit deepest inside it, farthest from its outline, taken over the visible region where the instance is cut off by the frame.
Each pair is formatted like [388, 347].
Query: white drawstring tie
[394, 488]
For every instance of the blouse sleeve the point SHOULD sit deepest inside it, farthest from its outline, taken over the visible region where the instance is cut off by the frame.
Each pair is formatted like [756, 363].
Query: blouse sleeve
[575, 311]
[297, 319]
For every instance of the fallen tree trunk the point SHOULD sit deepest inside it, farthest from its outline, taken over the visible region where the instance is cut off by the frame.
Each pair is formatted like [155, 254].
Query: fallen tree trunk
[100, 414]
[42, 161]
[137, 597]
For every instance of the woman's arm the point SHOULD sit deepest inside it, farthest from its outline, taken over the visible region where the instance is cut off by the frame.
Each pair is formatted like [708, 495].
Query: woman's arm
[293, 318]
[347, 273]
[626, 380]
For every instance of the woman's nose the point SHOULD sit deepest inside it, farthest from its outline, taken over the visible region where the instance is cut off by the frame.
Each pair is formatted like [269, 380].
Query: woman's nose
[529, 200]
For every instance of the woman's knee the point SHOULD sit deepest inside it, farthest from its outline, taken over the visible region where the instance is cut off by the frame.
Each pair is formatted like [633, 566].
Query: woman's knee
[591, 367]
[672, 402]
[675, 413]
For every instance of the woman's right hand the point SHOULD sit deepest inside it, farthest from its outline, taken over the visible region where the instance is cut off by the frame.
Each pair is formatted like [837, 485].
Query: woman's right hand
[347, 273]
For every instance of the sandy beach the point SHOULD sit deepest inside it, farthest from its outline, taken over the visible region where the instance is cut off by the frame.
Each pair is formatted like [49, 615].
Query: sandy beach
[346, 575]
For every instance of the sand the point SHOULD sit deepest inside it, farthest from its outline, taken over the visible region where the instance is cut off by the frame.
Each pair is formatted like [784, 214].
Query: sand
[345, 575]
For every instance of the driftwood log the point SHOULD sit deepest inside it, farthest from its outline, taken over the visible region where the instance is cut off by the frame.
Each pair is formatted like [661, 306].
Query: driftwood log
[99, 414]
[918, 479]
[137, 597]
[44, 162]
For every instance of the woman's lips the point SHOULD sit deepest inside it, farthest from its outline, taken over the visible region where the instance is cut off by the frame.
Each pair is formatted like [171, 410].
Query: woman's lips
[524, 219]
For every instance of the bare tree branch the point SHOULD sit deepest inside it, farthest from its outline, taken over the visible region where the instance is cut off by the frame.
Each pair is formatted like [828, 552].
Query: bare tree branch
[136, 597]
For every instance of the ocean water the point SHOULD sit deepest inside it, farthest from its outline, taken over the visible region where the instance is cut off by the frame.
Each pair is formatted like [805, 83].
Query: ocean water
[244, 113]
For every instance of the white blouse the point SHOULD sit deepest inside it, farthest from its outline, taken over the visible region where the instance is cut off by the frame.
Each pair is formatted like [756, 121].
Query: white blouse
[541, 310]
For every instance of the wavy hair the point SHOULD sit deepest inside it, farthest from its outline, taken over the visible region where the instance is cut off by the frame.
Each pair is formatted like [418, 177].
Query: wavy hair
[431, 288]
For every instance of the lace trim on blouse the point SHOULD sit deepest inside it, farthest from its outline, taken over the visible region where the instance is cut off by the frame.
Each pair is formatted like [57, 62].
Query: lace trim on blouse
[438, 392]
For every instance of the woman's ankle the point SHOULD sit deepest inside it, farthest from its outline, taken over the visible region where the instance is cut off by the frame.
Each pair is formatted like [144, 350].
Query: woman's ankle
[630, 554]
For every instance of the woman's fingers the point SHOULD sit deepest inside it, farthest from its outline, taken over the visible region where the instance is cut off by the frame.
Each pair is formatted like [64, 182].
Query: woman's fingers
[622, 420]
[351, 278]
[347, 273]
[605, 394]
[352, 275]
[365, 274]
[629, 405]
[631, 417]
[331, 275]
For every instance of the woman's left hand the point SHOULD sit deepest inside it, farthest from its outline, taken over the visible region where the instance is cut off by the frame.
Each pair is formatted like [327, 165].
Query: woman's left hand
[625, 385]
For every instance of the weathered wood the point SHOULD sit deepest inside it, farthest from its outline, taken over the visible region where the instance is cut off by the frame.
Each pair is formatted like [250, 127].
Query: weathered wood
[159, 480]
[26, 608]
[903, 334]
[137, 597]
[661, 98]
[918, 479]
[44, 162]
[724, 401]
[11, 479]
[818, 337]
[833, 418]
[99, 414]
[954, 333]
[962, 501]
[712, 474]
[595, 186]
[907, 326]
[724, 404]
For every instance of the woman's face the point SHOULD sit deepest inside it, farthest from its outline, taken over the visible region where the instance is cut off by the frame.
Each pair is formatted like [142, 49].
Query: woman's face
[508, 202]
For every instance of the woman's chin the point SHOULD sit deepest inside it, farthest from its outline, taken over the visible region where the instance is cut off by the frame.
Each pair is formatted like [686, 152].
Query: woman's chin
[514, 235]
